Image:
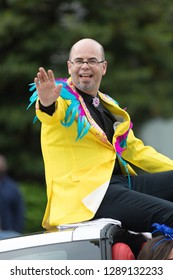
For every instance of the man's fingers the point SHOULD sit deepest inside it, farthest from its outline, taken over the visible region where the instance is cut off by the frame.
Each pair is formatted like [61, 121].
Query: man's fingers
[51, 75]
[42, 75]
[45, 80]
[36, 81]
[58, 89]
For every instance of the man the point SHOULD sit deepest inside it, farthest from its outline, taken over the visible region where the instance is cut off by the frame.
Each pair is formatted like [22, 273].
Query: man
[86, 140]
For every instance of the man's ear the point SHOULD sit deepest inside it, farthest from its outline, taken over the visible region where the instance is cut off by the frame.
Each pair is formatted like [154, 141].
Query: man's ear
[104, 67]
[69, 67]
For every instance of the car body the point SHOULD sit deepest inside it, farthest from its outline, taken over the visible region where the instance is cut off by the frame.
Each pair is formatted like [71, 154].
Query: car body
[93, 240]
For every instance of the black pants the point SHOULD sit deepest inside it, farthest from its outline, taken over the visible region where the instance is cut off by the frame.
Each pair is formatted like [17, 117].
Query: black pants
[150, 200]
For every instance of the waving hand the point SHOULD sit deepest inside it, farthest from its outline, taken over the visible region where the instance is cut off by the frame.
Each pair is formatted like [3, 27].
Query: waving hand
[48, 91]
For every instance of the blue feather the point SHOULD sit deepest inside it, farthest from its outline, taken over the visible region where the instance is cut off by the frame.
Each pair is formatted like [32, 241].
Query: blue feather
[124, 163]
[33, 86]
[35, 119]
[165, 230]
[72, 117]
[80, 126]
[67, 95]
[32, 99]
[85, 130]
[71, 107]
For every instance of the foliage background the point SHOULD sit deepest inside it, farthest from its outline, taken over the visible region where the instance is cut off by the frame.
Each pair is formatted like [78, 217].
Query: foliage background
[138, 41]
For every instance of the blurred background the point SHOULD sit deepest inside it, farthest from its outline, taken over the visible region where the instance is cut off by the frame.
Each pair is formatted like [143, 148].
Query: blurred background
[138, 41]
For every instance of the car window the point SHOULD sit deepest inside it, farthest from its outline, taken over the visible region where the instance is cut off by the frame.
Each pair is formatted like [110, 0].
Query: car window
[78, 250]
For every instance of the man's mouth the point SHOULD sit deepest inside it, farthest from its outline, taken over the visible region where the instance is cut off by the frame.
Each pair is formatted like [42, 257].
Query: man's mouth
[85, 75]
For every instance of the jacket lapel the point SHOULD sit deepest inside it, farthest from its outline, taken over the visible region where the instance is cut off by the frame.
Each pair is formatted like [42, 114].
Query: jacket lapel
[95, 128]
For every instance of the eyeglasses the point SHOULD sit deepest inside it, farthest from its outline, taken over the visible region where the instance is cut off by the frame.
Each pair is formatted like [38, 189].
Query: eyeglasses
[91, 62]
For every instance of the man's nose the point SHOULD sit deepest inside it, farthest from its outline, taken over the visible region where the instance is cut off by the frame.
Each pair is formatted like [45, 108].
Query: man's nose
[85, 64]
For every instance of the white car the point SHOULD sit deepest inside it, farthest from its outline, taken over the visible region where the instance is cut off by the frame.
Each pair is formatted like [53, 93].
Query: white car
[95, 240]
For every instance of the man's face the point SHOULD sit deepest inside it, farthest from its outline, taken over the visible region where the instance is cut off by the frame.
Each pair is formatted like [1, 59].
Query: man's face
[85, 77]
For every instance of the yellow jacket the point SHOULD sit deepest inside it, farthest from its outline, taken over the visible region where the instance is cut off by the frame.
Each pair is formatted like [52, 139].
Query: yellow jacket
[78, 172]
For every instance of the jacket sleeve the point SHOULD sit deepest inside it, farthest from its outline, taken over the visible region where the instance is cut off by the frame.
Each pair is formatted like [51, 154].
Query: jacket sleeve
[58, 115]
[145, 157]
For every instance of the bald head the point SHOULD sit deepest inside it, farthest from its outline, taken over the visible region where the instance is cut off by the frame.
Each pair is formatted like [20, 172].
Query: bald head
[87, 43]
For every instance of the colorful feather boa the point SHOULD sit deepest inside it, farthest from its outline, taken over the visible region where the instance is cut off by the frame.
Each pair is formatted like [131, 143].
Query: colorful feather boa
[73, 110]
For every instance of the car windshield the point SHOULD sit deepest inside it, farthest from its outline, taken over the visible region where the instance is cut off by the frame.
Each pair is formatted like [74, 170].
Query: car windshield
[78, 250]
